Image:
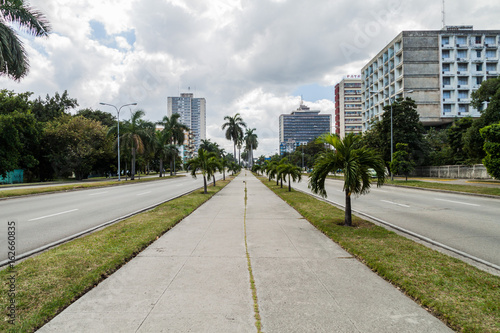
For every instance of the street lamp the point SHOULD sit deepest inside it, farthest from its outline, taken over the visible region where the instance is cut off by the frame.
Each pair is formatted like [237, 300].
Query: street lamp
[118, 122]
[392, 138]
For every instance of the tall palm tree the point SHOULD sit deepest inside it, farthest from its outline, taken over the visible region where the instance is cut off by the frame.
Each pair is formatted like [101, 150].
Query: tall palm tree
[251, 143]
[292, 171]
[13, 58]
[134, 135]
[234, 129]
[161, 143]
[174, 130]
[355, 161]
[204, 163]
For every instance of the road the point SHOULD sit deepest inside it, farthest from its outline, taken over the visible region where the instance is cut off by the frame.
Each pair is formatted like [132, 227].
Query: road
[41, 220]
[470, 224]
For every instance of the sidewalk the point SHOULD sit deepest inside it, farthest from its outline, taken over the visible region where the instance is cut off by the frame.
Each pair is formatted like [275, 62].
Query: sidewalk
[195, 278]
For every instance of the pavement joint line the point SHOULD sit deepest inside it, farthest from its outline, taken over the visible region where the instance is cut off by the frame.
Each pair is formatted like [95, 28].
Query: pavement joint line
[258, 323]
[411, 233]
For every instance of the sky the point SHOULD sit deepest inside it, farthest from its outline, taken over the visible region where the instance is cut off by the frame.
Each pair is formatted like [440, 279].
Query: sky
[255, 57]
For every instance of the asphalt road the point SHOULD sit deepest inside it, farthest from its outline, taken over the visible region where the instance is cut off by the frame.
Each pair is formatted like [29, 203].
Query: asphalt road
[470, 224]
[43, 219]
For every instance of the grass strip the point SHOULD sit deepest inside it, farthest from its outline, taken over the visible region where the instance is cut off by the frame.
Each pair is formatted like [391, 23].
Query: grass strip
[71, 187]
[49, 282]
[441, 186]
[258, 323]
[464, 297]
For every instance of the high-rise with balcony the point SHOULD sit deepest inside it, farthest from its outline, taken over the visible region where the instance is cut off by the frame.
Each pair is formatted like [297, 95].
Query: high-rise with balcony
[302, 126]
[348, 106]
[192, 114]
[438, 69]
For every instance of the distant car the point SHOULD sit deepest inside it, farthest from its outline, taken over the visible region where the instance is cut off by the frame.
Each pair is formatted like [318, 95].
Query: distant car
[373, 173]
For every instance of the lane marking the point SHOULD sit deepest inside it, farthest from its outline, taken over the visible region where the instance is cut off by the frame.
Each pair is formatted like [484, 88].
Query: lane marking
[458, 202]
[395, 203]
[98, 193]
[43, 217]
[144, 193]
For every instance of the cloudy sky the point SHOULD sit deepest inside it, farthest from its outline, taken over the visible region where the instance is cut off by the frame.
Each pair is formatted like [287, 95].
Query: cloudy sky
[255, 57]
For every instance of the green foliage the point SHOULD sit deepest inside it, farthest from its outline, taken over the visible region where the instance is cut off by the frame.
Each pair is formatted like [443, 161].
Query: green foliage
[53, 107]
[105, 118]
[13, 57]
[251, 143]
[234, 129]
[206, 162]
[75, 145]
[173, 131]
[402, 163]
[491, 135]
[355, 161]
[290, 171]
[456, 139]
[439, 149]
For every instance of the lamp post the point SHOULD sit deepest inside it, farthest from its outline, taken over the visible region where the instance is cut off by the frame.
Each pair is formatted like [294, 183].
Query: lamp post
[118, 123]
[392, 137]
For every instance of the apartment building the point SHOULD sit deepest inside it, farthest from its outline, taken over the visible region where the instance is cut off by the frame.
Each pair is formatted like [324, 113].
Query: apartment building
[348, 106]
[438, 69]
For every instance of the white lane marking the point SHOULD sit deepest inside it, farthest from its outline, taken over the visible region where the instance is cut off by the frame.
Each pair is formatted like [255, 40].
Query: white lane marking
[98, 193]
[395, 203]
[144, 193]
[458, 202]
[42, 217]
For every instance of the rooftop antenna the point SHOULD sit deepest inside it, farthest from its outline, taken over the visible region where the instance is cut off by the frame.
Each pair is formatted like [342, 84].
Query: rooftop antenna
[443, 17]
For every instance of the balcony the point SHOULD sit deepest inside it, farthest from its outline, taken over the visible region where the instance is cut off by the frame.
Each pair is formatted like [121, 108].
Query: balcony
[491, 46]
[447, 60]
[477, 60]
[477, 46]
[462, 46]
[463, 59]
[491, 59]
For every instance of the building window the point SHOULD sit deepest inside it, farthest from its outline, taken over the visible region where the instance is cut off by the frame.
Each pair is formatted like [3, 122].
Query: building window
[463, 94]
[463, 80]
[446, 81]
[491, 53]
[463, 108]
[490, 40]
[446, 94]
[491, 67]
[477, 40]
[446, 54]
[461, 40]
[462, 54]
[478, 53]
[446, 108]
[446, 67]
[479, 79]
[479, 67]
[445, 40]
[463, 67]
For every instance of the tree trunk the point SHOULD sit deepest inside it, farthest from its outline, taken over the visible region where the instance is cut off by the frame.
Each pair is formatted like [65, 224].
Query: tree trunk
[161, 167]
[133, 165]
[348, 216]
[234, 149]
[205, 184]
[281, 181]
[289, 184]
[277, 181]
[214, 179]
[171, 168]
[224, 174]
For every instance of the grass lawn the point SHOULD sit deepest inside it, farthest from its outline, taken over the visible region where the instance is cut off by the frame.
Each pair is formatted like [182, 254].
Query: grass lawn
[49, 282]
[464, 297]
[70, 187]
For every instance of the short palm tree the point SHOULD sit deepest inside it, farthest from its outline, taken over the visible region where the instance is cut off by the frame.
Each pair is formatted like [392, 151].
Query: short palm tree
[234, 129]
[13, 58]
[354, 160]
[292, 171]
[203, 163]
[271, 169]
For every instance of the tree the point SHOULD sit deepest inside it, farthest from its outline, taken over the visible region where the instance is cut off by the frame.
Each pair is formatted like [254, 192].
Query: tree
[402, 162]
[456, 140]
[272, 170]
[133, 133]
[105, 118]
[161, 148]
[292, 171]
[75, 145]
[355, 161]
[491, 135]
[234, 129]
[13, 57]
[204, 163]
[251, 143]
[175, 133]
[53, 107]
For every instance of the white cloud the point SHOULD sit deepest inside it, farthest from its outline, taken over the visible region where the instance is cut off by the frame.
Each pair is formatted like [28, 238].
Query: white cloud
[244, 56]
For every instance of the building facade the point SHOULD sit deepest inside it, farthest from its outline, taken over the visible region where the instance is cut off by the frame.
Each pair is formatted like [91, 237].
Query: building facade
[348, 107]
[302, 126]
[438, 69]
[192, 114]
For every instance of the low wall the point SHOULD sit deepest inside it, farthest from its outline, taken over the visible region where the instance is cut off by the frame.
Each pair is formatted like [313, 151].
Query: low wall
[477, 171]
[13, 177]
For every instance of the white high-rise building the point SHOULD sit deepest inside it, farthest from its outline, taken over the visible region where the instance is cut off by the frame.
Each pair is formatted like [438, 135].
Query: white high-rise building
[348, 106]
[438, 69]
[192, 114]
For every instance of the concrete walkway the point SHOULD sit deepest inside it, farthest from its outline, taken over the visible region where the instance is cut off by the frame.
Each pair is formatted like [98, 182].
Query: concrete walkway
[195, 278]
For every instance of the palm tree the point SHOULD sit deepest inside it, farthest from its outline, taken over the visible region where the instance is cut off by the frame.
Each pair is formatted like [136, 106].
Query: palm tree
[271, 169]
[13, 58]
[355, 161]
[251, 144]
[174, 130]
[203, 163]
[234, 129]
[290, 170]
[161, 141]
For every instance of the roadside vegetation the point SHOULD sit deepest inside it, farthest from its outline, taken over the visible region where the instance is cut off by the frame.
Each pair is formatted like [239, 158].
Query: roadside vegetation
[51, 281]
[462, 296]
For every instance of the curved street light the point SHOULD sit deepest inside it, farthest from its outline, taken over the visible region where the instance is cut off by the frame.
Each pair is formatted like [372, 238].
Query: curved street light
[118, 121]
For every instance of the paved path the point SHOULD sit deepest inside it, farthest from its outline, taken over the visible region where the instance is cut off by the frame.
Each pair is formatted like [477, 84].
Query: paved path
[195, 278]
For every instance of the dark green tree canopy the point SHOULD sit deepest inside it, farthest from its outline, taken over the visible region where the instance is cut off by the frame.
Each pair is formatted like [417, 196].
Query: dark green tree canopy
[491, 135]
[105, 118]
